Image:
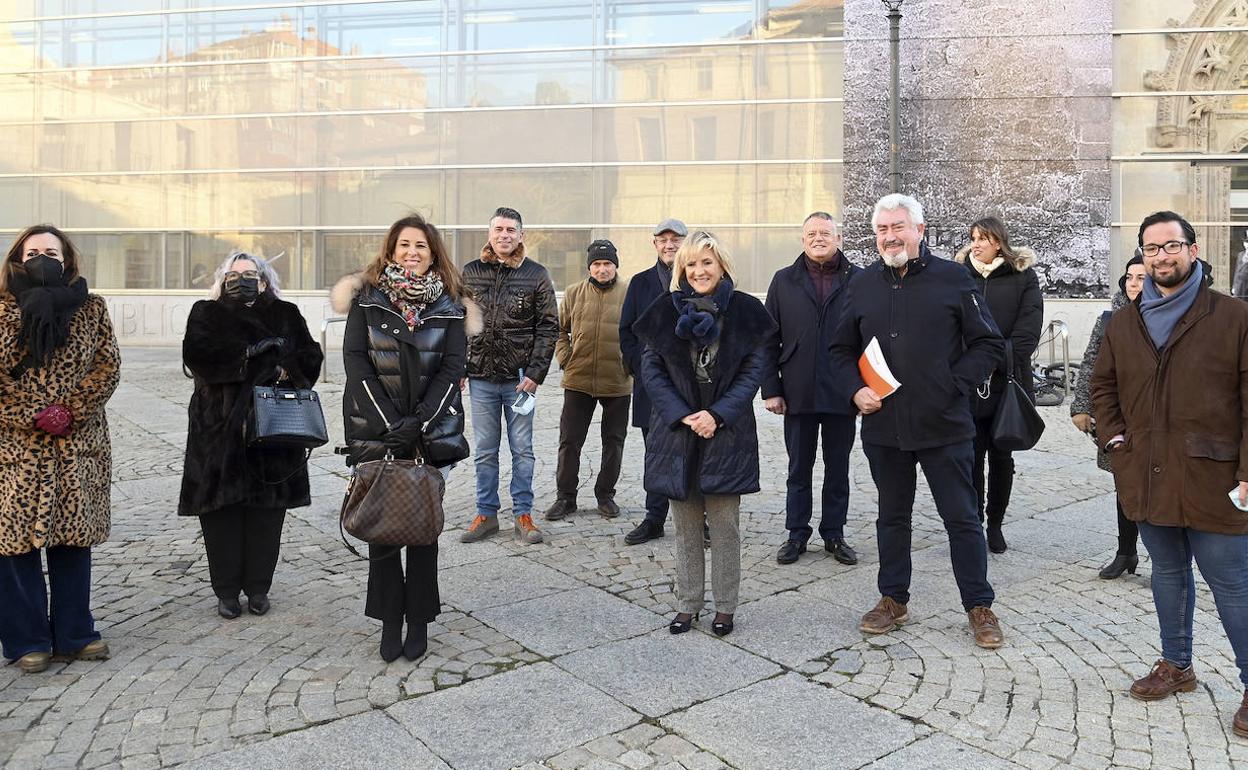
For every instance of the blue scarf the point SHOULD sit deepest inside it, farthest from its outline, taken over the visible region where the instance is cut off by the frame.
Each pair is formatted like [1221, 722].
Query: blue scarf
[698, 313]
[1162, 314]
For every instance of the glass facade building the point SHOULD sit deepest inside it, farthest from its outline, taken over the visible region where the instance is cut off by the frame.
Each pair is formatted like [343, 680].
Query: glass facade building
[162, 133]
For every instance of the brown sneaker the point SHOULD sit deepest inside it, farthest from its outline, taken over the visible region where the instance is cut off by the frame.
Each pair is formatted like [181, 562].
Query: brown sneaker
[34, 662]
[1240, 723]
[480, 528]
[985, 627]
[1165, 680]
[886, 616]
[526, 530]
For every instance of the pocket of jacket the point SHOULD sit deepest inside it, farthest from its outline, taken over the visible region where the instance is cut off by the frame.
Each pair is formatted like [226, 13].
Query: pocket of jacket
[1211, 447]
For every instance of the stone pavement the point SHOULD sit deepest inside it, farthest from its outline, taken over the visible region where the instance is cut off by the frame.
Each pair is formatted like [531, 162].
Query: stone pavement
[555, 657]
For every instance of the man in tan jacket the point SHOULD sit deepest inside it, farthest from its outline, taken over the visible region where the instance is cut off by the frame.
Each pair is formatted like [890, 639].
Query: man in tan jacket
[588, 351]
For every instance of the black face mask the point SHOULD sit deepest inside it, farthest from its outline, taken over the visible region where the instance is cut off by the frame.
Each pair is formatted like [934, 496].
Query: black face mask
[242, 289]
[45, 271]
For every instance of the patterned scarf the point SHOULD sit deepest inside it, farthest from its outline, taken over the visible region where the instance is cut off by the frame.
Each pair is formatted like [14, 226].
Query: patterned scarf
[409, 292]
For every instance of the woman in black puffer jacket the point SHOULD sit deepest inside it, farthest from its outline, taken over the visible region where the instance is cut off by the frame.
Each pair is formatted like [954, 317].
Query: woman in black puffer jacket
[405, 349]
[1005, 276]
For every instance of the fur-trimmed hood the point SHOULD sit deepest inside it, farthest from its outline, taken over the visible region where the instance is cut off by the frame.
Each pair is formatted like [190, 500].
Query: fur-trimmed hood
[349, 287]
[1025, 257]
[513, 261]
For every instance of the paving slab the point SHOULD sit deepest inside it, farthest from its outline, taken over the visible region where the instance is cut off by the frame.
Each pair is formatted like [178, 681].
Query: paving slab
[661, 672]
[500, 581]
[766, 627]
[788, 723]
[941, 751]
[365, 742]
[570, 620]
[516, 717]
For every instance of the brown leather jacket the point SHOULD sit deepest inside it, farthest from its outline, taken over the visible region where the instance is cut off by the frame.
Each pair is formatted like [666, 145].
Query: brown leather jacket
[1183, 411]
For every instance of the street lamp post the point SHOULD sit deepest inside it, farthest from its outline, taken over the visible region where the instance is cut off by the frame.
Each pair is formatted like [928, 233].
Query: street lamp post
[894, 91]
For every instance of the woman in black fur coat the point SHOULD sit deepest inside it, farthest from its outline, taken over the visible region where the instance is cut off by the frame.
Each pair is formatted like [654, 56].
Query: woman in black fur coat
[245, 335]
[405, 351]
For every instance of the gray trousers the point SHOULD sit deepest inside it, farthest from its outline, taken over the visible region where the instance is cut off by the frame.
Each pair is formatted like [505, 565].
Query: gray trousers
[723, 516]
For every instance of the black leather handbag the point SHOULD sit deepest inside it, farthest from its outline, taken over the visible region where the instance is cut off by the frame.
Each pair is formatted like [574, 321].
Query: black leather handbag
[286, 417]
[1016, 425]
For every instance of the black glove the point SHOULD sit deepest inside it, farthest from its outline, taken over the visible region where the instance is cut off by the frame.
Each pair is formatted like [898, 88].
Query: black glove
[405, 433]
[280, 344]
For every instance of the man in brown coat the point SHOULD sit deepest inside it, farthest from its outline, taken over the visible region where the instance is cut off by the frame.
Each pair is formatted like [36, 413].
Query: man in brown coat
[588, 351]
[1170, 398]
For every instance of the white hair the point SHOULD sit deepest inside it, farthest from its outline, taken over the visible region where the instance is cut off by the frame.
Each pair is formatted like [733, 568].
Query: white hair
[263, 266]
[898, 201]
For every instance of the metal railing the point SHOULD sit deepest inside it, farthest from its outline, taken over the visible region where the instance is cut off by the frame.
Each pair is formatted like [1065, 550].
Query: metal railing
[325, 344]
[1055, 329]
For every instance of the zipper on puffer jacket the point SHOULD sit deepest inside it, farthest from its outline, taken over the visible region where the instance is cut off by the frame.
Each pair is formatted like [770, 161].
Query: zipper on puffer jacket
[441, 406]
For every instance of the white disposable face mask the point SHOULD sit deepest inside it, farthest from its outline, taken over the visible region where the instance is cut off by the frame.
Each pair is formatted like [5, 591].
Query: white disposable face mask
[524, 403]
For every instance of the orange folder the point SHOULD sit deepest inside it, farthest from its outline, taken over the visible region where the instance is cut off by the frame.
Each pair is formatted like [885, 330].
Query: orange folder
[875, 372]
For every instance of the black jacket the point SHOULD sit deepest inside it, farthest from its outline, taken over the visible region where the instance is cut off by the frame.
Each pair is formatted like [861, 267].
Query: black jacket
[937, 339]
[393, 372]
[643, 289]
[219, 469]
[1012, 293]
[676, 458]
[517, 301]
[797, 364]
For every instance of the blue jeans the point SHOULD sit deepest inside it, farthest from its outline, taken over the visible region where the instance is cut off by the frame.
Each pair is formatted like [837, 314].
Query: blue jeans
[1223, 560]
[491, 403]
[27, 624]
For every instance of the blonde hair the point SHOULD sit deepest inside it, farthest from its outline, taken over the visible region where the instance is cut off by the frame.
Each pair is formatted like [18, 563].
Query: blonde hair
[698, 242]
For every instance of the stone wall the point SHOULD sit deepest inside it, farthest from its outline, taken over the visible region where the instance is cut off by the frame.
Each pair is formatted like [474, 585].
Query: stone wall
[1005, 110]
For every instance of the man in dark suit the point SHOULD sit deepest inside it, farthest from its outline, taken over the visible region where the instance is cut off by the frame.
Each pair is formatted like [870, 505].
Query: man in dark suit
[643, 289]
[804, 301]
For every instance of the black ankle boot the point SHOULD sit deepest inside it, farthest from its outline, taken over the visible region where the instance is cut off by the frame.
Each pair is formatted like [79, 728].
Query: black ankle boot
[1122, 563]
[996, 540]
[417, 643]
[391, 640]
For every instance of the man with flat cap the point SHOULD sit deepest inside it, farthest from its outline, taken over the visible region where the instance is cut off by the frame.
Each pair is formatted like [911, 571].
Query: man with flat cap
[588, 351]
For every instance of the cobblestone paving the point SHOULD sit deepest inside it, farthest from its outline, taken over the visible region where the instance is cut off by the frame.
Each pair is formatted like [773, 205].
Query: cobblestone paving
[555, 657]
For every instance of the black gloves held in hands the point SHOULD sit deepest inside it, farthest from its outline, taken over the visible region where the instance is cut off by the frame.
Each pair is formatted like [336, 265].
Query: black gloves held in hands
[405, 433]
[280, 344]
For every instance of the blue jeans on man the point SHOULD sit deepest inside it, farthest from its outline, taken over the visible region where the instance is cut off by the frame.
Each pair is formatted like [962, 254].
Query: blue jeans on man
[1223, 560]
[491, 405]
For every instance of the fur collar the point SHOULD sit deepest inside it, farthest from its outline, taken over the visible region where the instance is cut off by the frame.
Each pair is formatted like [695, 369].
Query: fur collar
[349, 287]
[514, 261]
[747, 324]
[1026, 258]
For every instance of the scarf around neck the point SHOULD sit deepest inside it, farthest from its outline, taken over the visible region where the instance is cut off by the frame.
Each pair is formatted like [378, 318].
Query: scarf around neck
[665, 273]
[698, 314]
[410, 293]
[988, 269]
[1162, 314]
[46, 313]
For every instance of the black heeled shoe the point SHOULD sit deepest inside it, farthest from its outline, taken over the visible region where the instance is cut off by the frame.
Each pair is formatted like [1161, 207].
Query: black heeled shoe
[229, 608]
[678, 626]
[258, 604]
[1122, 562]
[391, 641]
[722, 627]
[417, 642]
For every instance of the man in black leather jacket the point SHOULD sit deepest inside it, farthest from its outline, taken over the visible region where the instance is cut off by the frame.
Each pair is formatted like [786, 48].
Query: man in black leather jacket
[506, 362]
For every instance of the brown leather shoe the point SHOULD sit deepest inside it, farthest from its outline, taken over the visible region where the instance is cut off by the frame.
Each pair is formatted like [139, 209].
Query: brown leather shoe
[1165, 680]
[34, 662]
[985, 627]
[1240, 723]
[886, 616]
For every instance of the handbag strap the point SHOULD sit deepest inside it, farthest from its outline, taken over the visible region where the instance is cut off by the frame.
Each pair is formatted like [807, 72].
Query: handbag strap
[1009, 361]
[342, 532]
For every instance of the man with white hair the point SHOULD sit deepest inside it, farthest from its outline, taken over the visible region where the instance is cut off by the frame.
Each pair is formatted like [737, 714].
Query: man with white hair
[939, 342]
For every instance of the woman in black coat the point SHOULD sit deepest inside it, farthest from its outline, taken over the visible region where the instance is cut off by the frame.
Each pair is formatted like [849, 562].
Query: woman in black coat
[703, 363]
[244, 336]
[405, 350]
[1005, 276]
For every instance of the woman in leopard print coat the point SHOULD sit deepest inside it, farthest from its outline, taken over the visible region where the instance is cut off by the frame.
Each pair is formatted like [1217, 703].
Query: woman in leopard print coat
[59, 364]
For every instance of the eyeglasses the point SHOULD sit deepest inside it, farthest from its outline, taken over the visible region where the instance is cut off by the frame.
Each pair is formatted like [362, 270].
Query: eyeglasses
[1170, 247]
[233, 276]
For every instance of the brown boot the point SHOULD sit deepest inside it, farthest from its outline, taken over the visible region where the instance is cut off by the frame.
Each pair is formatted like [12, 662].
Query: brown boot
[1240, 724]
[886, 616]
[1165, 680]
[986, 629]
